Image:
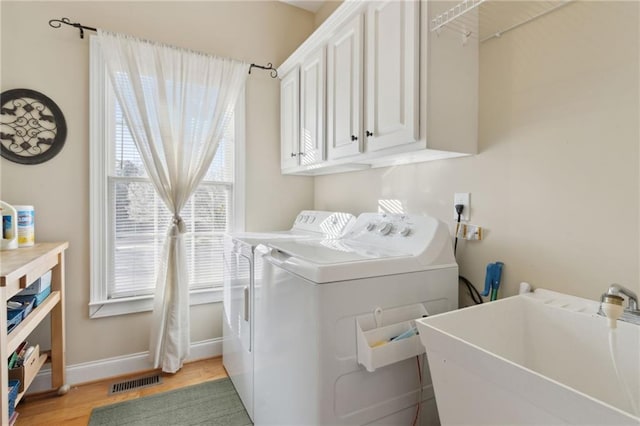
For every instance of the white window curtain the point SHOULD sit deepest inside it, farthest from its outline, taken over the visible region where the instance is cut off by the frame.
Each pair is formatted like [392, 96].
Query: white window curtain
[177, 104]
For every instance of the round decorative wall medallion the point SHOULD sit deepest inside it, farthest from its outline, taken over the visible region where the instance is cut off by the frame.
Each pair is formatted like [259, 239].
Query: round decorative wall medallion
[32, 127]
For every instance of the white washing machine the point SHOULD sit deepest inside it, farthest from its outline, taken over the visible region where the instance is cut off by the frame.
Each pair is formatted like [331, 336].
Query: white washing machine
[315, 297]
[241, 270]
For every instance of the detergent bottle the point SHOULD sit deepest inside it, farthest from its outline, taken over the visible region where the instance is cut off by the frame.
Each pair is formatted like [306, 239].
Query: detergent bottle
[9, 239]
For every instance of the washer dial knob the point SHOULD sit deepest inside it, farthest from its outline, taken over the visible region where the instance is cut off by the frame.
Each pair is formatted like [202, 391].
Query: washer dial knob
[405, 231]
[385, 228]
[371, 226]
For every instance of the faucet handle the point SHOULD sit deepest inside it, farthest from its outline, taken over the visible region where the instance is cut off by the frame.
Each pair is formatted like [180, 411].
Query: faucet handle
[612, 298]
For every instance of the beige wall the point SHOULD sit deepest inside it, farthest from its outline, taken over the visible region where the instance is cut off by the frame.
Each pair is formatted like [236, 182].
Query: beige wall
[556, 179]
[325, 11]
[56, 62]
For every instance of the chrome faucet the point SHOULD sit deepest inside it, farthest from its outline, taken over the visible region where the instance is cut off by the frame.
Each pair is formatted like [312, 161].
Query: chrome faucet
[614, 295]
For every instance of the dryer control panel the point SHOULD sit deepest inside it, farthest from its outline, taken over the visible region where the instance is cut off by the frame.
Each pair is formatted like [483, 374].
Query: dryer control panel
[329, 224]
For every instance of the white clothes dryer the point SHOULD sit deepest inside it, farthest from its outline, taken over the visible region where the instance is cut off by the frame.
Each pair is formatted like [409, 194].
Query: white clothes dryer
[315, 299]
[241, 270]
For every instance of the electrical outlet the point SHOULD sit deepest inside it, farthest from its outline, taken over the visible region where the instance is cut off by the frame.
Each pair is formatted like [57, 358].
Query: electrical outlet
[462, 198]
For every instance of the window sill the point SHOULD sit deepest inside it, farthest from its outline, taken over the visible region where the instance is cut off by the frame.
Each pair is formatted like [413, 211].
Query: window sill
[130, 305]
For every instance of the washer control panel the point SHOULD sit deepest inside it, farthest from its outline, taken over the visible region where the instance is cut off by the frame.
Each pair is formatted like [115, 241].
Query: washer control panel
[404, 232]
[390, 225]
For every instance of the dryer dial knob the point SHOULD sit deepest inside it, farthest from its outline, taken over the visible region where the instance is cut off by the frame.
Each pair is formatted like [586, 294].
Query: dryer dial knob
[371, 226]
[312, 219]
[385, 228]
[405, 231]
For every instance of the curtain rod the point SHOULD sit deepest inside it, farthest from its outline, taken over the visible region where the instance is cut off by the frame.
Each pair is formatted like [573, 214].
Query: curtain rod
[57, 23]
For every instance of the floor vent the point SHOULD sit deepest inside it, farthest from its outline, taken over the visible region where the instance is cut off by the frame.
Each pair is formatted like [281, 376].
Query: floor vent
[133, 384]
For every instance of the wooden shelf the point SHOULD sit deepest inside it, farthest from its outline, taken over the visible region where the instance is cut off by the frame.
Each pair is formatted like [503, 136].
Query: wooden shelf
[41, 360]
[18, 269]
[22, 330]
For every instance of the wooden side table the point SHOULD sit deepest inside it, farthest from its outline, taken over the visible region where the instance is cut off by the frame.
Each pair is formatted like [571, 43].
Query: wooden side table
[18, 269]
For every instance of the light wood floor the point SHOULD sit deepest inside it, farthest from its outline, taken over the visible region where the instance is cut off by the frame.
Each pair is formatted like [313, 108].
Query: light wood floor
[75, 407]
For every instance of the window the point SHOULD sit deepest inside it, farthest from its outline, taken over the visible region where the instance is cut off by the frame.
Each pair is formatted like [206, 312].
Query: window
[129, 221]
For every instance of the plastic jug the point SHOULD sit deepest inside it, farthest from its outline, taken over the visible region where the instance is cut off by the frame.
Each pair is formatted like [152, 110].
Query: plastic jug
[9, 239]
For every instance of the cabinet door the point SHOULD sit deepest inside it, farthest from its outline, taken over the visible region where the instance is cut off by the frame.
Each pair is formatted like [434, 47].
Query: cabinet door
[392, 74]
[344, 90]
[290, 119]
[312, 107]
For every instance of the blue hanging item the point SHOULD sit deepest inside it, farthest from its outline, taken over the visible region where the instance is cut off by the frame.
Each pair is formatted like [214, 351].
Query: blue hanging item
[492, 280]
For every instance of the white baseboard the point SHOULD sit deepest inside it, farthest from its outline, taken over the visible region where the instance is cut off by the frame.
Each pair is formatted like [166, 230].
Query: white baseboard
[116, 366]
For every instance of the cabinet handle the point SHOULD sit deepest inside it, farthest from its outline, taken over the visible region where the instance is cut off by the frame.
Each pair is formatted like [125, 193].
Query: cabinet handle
[301, 153]
[354, 138]
[369, 133]
[293, 154]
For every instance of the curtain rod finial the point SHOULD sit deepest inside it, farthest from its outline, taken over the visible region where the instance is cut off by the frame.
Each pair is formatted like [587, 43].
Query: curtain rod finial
[268, 67]
[57, 23]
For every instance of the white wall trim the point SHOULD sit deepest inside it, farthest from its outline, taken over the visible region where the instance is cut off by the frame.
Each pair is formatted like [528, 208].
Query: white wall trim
[240, 154]
[117, 366]
[128, 305]
[97, 177]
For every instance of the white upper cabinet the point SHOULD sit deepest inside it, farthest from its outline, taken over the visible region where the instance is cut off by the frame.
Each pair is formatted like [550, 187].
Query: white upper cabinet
[344, 90]
[392, 74]
[312, 108]
[290, 119]
[378, 87]
[302, 113]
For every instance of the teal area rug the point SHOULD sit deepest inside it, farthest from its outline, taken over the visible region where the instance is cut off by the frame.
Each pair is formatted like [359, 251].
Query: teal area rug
[211, 403]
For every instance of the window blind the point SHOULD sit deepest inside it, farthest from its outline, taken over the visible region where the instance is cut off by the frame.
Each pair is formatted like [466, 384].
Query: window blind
[138, 220]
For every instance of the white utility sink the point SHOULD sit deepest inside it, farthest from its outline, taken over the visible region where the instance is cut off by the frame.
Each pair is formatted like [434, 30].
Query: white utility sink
[537, 358]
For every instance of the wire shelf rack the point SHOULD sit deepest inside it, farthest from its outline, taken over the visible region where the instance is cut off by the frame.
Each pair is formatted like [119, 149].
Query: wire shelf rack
[495, 17]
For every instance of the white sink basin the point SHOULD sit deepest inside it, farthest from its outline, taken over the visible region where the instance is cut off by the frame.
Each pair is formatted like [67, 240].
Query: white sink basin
[539, 358]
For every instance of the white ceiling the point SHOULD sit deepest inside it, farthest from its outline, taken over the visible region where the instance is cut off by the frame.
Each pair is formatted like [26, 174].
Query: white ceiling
[310, 5]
